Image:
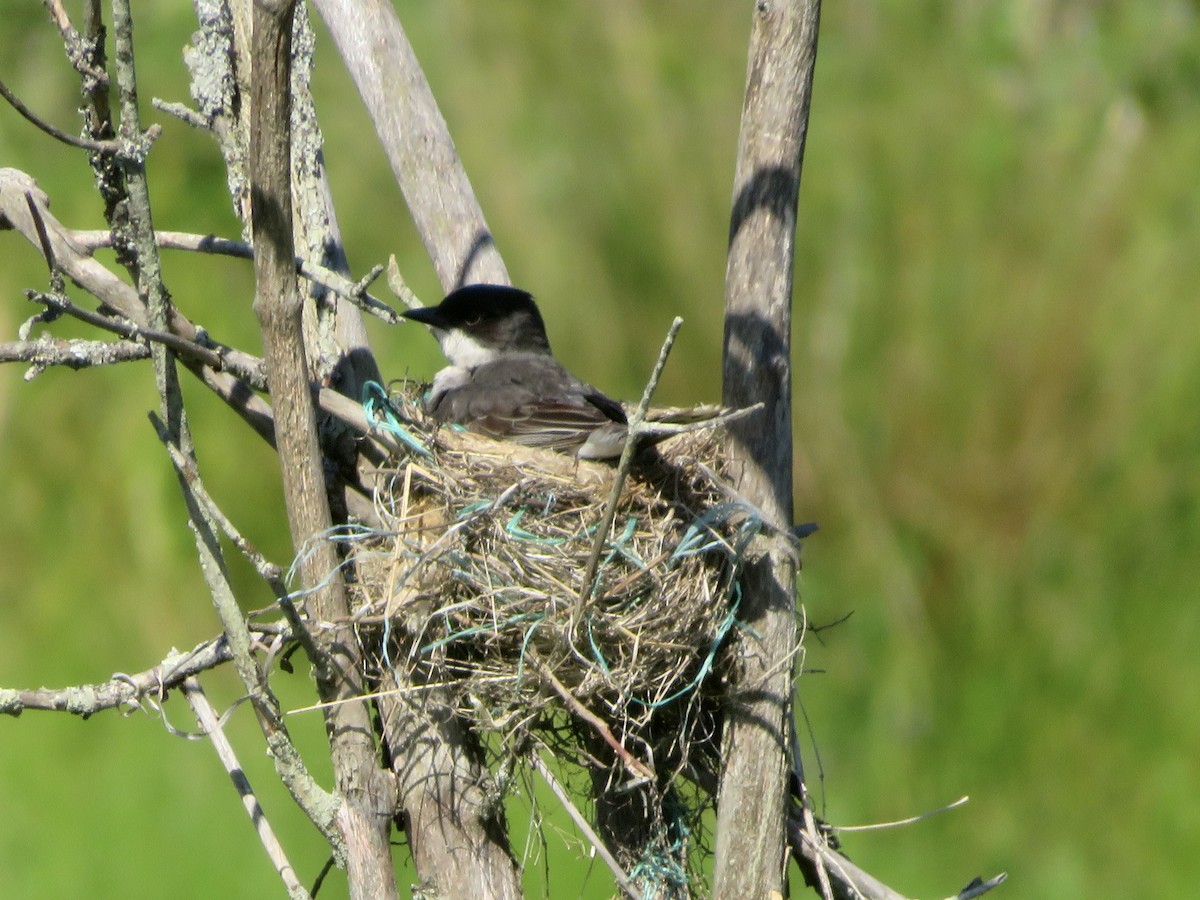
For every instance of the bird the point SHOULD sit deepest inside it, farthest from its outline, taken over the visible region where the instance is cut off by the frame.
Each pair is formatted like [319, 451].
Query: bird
[504, 382]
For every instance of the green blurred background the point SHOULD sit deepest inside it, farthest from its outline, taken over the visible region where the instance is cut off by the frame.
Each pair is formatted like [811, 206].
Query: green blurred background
[997, 366]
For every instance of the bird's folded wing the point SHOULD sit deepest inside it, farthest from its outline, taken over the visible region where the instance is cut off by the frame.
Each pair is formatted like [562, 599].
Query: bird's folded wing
[550, 424]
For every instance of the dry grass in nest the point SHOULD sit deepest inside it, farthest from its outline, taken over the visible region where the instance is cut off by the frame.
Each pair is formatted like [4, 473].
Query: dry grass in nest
[478, 574]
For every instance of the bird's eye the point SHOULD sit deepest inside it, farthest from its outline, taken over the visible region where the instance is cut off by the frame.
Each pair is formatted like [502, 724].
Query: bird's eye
[474, 320]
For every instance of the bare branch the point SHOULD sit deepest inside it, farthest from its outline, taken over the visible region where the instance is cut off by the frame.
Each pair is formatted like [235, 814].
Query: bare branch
[247, 368]
[752, 799]
[49, 351]
[211, 725]
[77, 51]
[635, 766]
[364, 815]
[125, 691]
[185, 467]
[310, 797]
[415, 138]
[354, 291]
[57, 133]
[77, 264]
[627, 887]
[627, 454]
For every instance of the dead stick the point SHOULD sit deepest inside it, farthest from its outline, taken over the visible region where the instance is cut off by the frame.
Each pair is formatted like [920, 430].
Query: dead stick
[631, 447]
[623, 882]
[207, 717]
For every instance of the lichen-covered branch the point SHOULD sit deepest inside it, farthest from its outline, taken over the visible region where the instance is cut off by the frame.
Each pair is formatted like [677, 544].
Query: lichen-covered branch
[46, 351]
[367, 796]
[123, 691]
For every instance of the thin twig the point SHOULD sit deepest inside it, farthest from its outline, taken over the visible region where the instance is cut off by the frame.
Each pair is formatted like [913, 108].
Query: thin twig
[635, 765]
[183, 112]
[244, 366]
[627, 454]
[125, 691]
[16, 190]
[314, 800]
[207, 717]
[272, 574]
[623, 882]
[57, 133]
[354, 291]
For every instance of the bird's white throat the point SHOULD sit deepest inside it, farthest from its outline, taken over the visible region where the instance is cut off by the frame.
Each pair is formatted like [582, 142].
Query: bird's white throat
[463, 350]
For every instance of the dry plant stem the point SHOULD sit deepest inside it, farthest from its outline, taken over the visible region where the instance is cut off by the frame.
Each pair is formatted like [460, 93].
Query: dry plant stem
[48, 351]
[236, 628]
[372, 43]
[627, 453]
[123, 691]
[18, 192]
[353, 291]
[211, 725]
[752, 799]
[57, 133]
[365, 813]
[627, 887]
[635, 766]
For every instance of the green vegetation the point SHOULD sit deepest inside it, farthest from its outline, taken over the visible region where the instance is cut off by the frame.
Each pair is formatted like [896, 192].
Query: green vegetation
[995, 366]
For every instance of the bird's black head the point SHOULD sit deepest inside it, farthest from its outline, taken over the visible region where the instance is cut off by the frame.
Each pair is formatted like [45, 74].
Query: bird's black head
[498, 319]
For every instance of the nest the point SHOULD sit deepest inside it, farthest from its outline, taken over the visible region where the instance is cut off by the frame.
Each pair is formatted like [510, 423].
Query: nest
[481, 571]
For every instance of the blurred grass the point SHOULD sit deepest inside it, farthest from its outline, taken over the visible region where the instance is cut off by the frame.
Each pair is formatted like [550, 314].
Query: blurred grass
[995, 372]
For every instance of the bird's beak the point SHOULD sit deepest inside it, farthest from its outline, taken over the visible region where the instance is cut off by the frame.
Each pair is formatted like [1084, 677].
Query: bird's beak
[427, 315]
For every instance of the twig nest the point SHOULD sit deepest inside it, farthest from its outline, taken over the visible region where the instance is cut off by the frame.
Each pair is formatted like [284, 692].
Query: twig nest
[480, 565]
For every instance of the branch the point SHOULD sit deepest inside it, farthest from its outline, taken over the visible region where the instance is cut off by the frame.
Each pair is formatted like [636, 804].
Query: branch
[364, 815]
[627, 887]
[174, 430]
[76, 354]
[25, 207]
[211, 725]
[848, 881]
[372, 43]
[77, 51]
[197, 497]
[57, 133]
[627, 453]
[753, 796]
[635, 766]
[125, 691]
[230, 373]
[245, 367]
